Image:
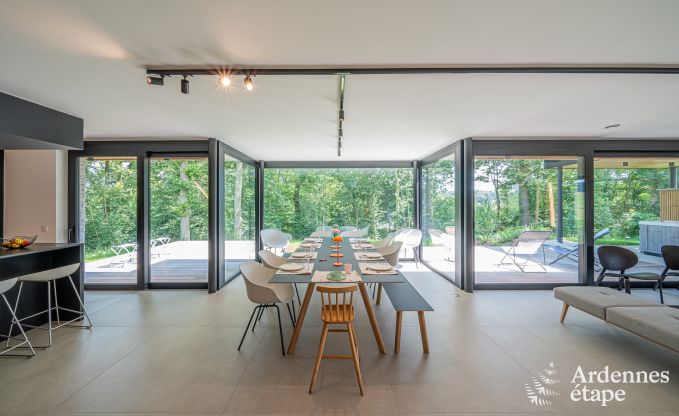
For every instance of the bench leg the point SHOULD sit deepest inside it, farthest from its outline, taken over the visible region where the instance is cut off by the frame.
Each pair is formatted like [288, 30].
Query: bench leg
[397, 339]
[379, 294]
[564, 311]
[423, 332]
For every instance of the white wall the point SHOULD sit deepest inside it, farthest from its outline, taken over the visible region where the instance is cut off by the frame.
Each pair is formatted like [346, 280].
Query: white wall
[36, 200]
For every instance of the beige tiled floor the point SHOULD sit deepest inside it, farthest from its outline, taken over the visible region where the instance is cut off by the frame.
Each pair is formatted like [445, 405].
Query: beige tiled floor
[174, 352]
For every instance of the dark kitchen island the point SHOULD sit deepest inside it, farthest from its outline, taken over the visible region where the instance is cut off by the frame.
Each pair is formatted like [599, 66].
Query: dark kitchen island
[36, 258]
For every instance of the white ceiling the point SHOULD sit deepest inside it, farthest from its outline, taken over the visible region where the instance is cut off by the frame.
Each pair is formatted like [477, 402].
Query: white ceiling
[87, 58]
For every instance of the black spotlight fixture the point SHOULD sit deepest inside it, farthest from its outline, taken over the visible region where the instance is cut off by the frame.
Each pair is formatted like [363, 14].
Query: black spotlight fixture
[185, 85]
[249, 85]
[155, 80]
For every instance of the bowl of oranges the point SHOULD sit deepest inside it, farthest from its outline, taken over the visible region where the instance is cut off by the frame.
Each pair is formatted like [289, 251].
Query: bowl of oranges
[19, 241]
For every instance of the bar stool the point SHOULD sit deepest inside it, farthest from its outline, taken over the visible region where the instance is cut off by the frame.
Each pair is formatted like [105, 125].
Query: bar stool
[5, 286]
[337, 312]
[50, 277]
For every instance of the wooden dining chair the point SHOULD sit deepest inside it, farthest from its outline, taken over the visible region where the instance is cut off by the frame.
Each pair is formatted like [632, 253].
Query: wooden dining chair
[336, 309]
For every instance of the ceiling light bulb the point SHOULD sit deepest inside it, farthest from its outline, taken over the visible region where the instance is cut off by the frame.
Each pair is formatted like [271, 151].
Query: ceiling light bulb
[248, 83]
[224, 81]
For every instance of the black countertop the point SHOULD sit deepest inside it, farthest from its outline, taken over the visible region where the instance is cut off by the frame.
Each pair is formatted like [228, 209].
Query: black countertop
[33, 249]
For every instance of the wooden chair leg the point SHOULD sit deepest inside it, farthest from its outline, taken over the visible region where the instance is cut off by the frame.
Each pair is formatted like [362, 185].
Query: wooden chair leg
[321, 345]
[397, 338]
[423, 332]
[354, 355]
[379, 294]
[564, 311]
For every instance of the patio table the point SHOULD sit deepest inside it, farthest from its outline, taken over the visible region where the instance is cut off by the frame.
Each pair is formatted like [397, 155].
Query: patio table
[327, 265]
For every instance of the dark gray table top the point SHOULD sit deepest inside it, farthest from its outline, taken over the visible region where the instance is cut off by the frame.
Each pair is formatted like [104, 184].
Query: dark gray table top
[34, 249]
[324, 262]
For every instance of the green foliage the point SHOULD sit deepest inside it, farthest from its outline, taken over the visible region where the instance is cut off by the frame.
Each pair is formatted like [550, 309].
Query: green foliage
[299, 200]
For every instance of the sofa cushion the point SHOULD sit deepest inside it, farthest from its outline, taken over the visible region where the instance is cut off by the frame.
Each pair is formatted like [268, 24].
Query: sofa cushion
[595, 300]
[660, 324]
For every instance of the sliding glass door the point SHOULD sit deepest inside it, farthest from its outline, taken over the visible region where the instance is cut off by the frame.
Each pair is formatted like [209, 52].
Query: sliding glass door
[634, 200]
[178, 219]
[108, 226]
[528, 219]
[439, 215]
[239, 214]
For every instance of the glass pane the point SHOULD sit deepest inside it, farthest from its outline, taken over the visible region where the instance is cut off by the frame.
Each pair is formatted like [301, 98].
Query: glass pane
[239, 214]
[629, 210]
[179, 220]
[528, 228]
[108, 219]
[298, 201]
[438, 216]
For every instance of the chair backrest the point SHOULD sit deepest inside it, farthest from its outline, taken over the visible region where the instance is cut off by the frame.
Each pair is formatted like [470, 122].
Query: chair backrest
[324, 228]
[616, 258]
[386, 241]
[671, 256]
[6, 285]
[391, 252]
[321, 234]
[364, 231]
[274, 238]
[602, 233]
[348, 228]
[334, 301]
[413, 238]
[257, 286]
[436, 236]
[271, 260]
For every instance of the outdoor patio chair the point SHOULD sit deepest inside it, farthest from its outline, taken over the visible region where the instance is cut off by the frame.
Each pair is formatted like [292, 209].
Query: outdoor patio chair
[570, 251]
[615, 261]
[275, 239]
[527, 244]
[324, 228]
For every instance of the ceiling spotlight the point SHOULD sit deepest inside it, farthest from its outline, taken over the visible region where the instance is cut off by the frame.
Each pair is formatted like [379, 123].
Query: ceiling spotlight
[185, 85]
[248, 83]
[155, 80]
[224, 81]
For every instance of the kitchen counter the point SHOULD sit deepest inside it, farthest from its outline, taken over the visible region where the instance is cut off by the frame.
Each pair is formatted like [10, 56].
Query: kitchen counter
[36, 258]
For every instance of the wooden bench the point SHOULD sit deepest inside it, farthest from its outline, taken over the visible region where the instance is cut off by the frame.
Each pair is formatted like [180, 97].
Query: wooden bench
[405, 298]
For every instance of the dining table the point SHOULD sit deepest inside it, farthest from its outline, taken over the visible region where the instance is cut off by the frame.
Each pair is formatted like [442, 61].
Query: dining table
[324, 262]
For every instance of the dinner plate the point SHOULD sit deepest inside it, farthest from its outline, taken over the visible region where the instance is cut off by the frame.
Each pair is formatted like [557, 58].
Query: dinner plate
[300, 255]
[380, 267]
[292, 267]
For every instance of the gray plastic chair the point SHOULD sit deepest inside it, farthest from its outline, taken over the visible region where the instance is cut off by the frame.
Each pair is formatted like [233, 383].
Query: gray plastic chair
[274, 261]
[265, 295]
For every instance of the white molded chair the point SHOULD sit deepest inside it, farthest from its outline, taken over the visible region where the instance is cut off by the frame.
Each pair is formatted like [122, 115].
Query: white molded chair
[386, 241]
[50, 277]
[321, 234]
[348, 228]
[275, 239]
[411, 238]
[324, 228]
[439, 238]
[5, 286]
[265, 295]
[390, 254]
[274, 261]
[363, 232]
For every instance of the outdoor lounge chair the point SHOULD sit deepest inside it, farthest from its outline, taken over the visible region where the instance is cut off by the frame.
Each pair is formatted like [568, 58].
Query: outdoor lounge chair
[527, 244]
[571, 251]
